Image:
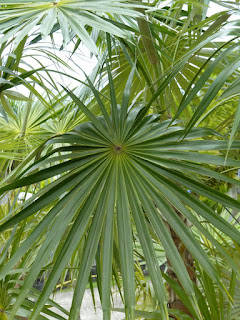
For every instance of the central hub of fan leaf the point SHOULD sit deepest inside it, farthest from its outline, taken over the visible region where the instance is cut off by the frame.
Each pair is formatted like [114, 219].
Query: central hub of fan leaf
[117, 149]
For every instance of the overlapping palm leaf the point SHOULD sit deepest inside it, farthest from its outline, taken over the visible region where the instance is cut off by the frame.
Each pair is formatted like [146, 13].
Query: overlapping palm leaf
[210, 296]
[12, 75]
[70, 16]
[27, 120]
[16, 72]
[133, 168]
[8, 293]
[187, 64]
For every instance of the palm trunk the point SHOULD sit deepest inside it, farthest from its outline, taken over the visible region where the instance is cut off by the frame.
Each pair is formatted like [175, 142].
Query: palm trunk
[173, 300]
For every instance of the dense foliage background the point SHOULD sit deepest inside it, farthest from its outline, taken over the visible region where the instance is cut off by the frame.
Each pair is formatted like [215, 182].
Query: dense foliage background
[129, 165]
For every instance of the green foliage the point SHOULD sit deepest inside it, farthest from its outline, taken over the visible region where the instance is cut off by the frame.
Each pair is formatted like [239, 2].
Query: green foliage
[70, 16]
[119, 166]
[113, 160]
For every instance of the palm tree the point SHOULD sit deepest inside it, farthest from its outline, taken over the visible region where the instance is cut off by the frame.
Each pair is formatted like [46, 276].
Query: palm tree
[123, 167]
